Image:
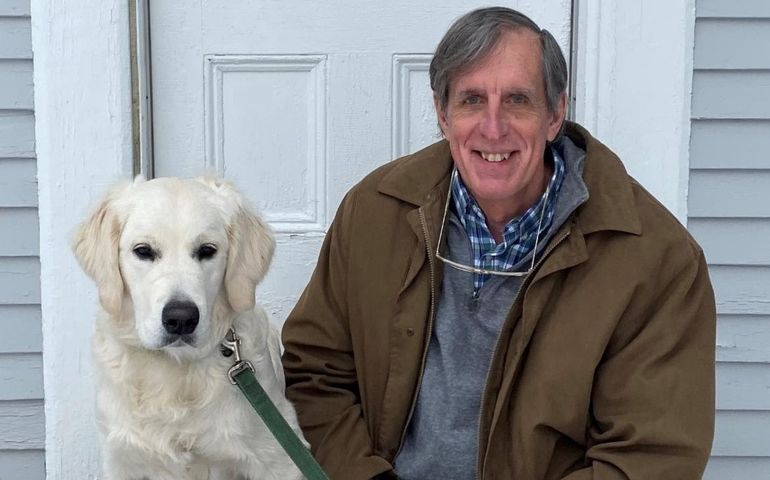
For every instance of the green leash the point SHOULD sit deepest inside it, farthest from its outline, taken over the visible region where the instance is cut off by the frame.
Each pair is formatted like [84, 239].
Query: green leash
[242, 374]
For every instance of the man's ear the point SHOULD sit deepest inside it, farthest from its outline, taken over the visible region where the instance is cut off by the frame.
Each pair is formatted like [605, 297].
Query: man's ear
[440, 114]
[95, 245]
[557, 117]
[251, 247]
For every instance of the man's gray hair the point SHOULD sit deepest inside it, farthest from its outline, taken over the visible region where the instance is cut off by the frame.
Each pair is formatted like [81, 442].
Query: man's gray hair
[473, 36]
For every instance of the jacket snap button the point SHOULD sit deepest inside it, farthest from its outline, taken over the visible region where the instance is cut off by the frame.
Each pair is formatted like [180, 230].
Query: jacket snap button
[410, 331]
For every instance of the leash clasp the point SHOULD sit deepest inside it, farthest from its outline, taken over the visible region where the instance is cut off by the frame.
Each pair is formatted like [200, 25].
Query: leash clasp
[232, 342]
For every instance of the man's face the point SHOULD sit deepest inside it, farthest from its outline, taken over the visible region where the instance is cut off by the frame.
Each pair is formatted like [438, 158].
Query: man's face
[497, 123]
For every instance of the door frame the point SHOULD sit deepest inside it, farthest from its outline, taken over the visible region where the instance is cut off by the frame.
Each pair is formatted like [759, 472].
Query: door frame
[84, 143]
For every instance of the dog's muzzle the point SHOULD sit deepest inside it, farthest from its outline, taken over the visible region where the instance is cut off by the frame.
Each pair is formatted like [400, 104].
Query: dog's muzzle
[180, 317]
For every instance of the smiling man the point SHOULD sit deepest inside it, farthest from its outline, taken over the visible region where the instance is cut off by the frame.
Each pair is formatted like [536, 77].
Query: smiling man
[508, 302]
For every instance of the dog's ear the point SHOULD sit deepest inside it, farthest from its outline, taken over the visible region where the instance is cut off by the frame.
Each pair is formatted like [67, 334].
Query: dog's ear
[96, 247]
[251, 247]
[251, 250]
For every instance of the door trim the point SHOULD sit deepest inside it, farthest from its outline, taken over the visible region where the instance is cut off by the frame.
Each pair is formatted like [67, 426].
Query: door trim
[141, 87]
[632, 83]
[83, 132]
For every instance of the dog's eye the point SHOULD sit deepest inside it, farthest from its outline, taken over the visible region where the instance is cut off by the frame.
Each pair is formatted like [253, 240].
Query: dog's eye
[144, 252]
[206, 251]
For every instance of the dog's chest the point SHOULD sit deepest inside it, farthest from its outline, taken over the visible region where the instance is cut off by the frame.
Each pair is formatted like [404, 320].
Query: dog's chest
[185, 417]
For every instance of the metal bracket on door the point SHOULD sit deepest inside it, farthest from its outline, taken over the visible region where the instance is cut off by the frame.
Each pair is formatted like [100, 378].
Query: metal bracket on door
[141, 87]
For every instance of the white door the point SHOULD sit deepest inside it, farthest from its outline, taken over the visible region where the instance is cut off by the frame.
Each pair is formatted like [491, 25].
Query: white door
[295, 101]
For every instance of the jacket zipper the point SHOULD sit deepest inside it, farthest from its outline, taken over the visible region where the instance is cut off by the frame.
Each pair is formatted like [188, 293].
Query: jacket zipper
[429, 332]
[524, 285]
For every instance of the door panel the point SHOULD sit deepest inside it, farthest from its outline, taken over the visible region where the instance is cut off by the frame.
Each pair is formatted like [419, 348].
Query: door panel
[295, 101]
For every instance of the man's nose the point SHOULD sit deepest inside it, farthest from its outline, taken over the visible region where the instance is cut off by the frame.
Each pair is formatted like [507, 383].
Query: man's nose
[493, 125]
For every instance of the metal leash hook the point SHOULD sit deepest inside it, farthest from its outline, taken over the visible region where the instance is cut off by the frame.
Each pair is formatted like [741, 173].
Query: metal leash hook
[232, 342]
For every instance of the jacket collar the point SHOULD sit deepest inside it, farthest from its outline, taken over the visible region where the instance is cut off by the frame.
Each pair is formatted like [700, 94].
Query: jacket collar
[423, 177]
[611, 205]
[420, 177]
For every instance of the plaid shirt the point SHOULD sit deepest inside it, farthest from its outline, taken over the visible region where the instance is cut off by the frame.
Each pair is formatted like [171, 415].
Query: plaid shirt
[518, 235]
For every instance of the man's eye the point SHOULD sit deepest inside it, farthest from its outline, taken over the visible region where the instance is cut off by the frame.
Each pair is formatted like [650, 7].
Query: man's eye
[145, 252]
[518, 99]
[206, 251]
[472, 100]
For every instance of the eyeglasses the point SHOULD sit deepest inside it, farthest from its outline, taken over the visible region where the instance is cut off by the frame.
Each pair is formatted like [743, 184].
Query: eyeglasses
[484, 271]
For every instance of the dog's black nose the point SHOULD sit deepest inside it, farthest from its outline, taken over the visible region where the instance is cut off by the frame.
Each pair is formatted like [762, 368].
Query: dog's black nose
[180, 317]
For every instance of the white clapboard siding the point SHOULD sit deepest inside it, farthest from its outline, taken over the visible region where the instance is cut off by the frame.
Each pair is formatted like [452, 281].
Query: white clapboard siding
[19, 280]
[14, 8]
[21, 329]
[729, 215]
[742, 385]
[20, 376]
[17, 134]
[733, 9]
[737, 468]
[22, 425]
[731, 241]
[741, 289]
[18, 183]
[21, 235]
[731, 94]
[742, 433]
[15, 37]
[22, 418]
[742, 338]
[22, 464]
[731, 43]
[729, 144]
[730, 194]
[17, 84]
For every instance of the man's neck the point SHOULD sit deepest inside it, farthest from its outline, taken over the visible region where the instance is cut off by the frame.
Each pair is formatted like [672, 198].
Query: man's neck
[499, 215]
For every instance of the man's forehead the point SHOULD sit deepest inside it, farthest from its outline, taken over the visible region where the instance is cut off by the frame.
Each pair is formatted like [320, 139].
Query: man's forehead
[516, 58]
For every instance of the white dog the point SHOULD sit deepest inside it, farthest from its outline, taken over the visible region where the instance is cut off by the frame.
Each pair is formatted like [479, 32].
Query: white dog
[177, 262]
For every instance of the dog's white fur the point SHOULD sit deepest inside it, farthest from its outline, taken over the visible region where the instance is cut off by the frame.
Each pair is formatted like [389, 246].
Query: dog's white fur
[167, 410]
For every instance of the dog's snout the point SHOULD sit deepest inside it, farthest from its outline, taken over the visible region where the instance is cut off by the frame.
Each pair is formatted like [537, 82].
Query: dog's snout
[180, 317]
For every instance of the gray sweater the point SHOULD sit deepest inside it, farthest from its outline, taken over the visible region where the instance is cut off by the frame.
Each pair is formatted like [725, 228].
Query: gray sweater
[442, 437]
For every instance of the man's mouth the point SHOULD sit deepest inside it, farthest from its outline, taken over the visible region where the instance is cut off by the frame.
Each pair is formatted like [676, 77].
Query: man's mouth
[494, 157]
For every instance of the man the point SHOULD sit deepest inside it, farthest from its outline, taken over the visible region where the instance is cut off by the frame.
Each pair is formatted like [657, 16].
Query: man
[507, 303]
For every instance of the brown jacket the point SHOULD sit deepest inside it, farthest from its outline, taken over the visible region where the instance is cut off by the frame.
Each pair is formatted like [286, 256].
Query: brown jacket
[605, 365]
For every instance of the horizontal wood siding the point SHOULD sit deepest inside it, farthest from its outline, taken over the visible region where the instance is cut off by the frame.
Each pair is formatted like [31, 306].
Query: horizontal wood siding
[729, 214]
[22, 420]
[729, 144]
[21, 231]
[732, 9]
[729, 194]
[14, 8]
[22, 425]
[22, 464]
[18, 184]
[22, 329]
[15, 38]
[17, 84]
[17, 134]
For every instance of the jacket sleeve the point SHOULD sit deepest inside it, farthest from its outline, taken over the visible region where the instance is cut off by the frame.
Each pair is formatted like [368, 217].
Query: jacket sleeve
[320, 370]
[653, 397]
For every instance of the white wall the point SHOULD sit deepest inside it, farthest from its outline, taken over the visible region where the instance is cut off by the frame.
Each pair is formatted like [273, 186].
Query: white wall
[634, 70]
[83, 131]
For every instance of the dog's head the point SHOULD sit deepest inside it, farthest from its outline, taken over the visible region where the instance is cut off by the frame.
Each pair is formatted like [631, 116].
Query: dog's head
[167, 253]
